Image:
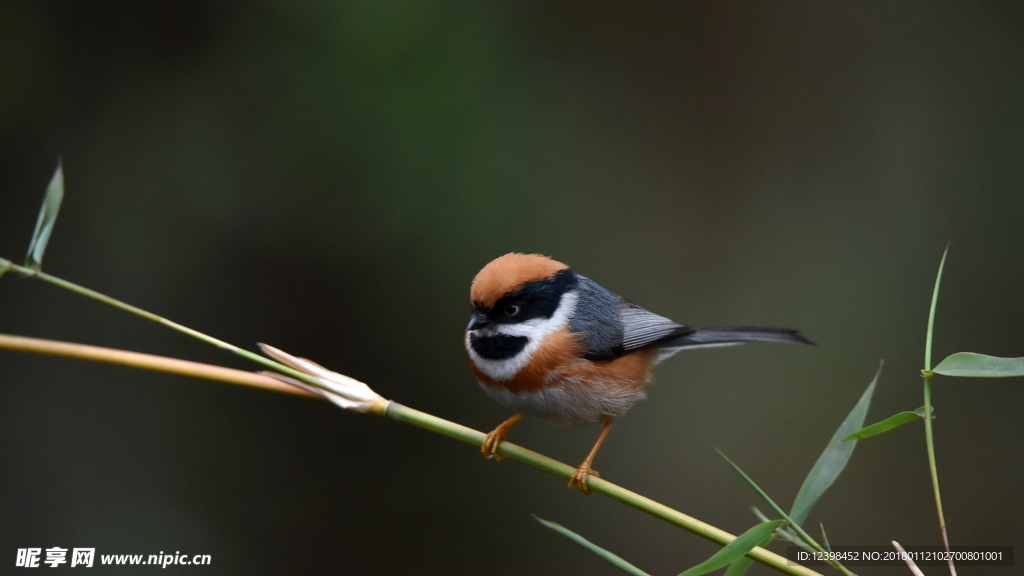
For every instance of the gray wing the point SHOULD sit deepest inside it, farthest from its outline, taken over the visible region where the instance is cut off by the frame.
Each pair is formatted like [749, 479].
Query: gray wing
[597, 319]
[613, 325]
[641, 328]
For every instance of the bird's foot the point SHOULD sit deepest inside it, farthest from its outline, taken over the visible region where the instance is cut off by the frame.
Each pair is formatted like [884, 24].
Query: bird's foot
[579, 478]
[490, 446]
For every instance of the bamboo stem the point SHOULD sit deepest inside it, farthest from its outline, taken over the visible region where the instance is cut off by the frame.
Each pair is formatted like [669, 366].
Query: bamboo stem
[149, 362]
[405, 414]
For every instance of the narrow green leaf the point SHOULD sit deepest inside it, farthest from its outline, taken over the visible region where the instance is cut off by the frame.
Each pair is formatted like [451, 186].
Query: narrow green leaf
[5, 265]
[979, 365]
[614, 559]
[740, 566]
[753, 485]
[736, 549]
[786, 534]
[887, 424]
[760, 515]
[931, 314]
[47, 216]
[824, 538]
[833, 459]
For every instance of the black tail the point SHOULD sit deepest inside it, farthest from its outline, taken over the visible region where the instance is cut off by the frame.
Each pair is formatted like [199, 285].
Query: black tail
[735, 335]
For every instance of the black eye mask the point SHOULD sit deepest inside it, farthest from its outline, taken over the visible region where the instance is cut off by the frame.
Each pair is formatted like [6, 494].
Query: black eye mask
[537, 299]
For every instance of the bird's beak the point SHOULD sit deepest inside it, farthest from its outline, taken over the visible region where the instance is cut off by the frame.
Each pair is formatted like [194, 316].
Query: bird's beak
[478, 321]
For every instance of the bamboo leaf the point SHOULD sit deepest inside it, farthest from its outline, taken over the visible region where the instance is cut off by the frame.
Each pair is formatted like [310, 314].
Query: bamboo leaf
[47, 216]
[754, 485]
[613, 558]
[887, 424]
[833, 459]
[760, 515]
[736, 549]
[931, 314]
[980, 365]
[740, 566]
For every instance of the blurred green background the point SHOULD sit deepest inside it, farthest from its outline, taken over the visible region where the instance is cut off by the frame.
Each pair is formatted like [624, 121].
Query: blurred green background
[329, 176]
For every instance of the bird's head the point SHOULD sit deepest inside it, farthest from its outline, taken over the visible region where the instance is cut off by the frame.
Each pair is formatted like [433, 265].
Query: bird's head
[517, 300]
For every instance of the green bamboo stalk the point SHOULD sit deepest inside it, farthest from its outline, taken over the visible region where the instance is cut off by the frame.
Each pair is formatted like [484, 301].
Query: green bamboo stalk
[402, 413]
[89, 293]
[150, 362]
[408, 415]
[929, 440]
[930, 443]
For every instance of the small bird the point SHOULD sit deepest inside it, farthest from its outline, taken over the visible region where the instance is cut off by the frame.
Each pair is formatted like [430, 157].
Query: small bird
[550, 344]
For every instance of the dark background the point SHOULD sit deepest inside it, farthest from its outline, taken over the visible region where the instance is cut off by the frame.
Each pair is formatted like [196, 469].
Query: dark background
[328, 177]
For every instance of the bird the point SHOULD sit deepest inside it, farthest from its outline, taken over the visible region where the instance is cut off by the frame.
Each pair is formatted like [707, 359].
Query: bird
[553, 345]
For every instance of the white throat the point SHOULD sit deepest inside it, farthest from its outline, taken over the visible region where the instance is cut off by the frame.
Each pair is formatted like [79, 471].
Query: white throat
[536, 330]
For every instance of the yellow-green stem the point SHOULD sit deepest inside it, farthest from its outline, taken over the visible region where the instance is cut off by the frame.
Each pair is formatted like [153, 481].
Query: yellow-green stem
[82, 290]
[401, 413]
[150, 362]
[930, 443]
[409, 415]
[598, 485]
[931, 446]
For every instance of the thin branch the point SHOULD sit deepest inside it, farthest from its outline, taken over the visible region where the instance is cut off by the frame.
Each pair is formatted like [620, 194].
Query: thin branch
[150, 362]
[402, 413]
[90, 293]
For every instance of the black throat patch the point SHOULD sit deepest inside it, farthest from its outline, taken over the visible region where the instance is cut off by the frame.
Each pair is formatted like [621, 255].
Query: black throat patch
[500, 347]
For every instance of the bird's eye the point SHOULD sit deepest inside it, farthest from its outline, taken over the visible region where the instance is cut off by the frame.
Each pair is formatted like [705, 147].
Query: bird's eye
[512, 310]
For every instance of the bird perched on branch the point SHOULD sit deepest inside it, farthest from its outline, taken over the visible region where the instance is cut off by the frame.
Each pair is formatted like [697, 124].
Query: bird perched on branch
[548, 343]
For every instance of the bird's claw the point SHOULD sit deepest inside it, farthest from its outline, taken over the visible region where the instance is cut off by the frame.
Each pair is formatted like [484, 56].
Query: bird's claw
[579, 478]
[491, 442]
[490, 446]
